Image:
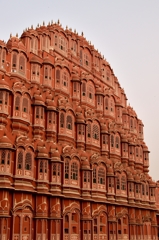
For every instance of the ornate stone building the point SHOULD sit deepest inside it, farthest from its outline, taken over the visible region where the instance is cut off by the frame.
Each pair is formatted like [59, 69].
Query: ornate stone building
[73, 162]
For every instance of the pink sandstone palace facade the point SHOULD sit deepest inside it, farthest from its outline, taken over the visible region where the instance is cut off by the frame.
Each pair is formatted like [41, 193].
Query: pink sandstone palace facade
[73, 162]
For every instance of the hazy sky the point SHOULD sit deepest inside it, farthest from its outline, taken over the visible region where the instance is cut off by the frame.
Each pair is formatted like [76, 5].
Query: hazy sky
[125, 32]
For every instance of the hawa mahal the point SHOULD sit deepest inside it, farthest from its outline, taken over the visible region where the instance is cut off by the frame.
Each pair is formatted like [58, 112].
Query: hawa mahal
[73, 161]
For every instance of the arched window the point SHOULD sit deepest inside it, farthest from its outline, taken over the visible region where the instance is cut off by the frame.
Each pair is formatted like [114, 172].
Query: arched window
[83, 89]
[65, 79]
[1, 97]
[90, 92]
[41, 166]
[46, 72]
[54, 169]
[58, 76]
[106, 103]
[137, 152]
[112, 140]
[94, 175]
[74, 171]
[101, 176]
[17, 103]
[118, 183]
[45, 166]
[14, 62]
[95, 132]
[20, 160]
[123, 183]
[3, 156]
[69, 122]
[62, 120]
[8, 158]
[25, 105]
[28, 161]
[67, 169]
[22, 64]
[117, 142]
[89, 130]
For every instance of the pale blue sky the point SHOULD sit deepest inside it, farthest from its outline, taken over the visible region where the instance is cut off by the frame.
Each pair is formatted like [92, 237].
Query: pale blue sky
[125, 32]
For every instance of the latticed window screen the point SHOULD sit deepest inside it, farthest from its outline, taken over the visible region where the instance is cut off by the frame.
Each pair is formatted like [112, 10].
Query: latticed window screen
[89, 130]
[28, 161]
[94, 175]
[8, 158]
[83, 89]
[81, 129]
[3, 156]
[49, 117]
[106, 103]
[67, 169]
[58, 169]
[123, 183]
[14, 60]
[101, 176]
[25, 105]
[20, 160]
[17, 103]
[118, 183]
[58, 76]
[90, 92]
[22, 64]
[69, 122]
[74, 171]
[6, 98]
[95, 132]
[41, 166]
[86, 176]
[46, 73]
[137, 152]
[62, 120]
[45, 166]
[112, 140]
[117, 142]
[54, 169]
[1, 97]
[143, 189]
[65, 79]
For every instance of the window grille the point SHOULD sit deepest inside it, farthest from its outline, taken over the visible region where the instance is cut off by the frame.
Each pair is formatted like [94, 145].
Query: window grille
[25, 105]
[101, 176]
[28, 161]
[69, 122]
[95, 132]
[3, 156]
[20, 160]
[67, 169]
[62, 120]
[74, 171]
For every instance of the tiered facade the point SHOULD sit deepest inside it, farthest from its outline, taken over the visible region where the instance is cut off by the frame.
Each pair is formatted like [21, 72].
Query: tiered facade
[73, 162]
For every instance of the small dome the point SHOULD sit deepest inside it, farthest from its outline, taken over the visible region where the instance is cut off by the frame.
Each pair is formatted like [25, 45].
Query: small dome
[78, 109]
[130, 177]
[5, 142]
[110, 171]
[38, 99]
[55, 155]
[85, 164]
[4, 84]
[35, 59]
[47, 61]
[42, 152]
[137, 178]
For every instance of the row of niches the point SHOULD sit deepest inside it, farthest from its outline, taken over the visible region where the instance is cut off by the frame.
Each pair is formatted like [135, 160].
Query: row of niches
[60, 77]
[96, 176]
[44, 108]
[59, 40]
